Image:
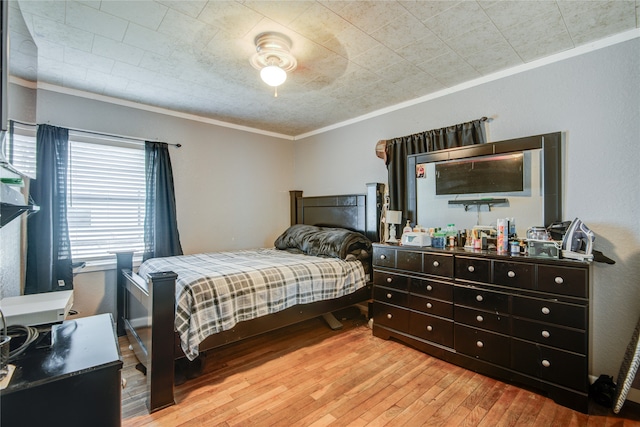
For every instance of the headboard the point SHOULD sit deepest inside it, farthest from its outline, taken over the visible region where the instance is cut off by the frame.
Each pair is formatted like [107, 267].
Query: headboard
[358, 212]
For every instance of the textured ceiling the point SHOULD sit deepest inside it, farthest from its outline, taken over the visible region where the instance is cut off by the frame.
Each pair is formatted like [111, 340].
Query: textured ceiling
[354, 57]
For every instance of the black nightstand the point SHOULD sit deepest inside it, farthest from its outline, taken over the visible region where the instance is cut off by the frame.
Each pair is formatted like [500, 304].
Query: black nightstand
[74, 382]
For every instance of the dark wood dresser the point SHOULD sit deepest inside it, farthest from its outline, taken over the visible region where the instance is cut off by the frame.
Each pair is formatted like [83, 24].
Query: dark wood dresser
[73, 382]
[520, 319]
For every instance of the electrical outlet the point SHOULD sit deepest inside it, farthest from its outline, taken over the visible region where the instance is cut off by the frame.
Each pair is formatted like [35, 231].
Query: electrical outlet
[61, 283]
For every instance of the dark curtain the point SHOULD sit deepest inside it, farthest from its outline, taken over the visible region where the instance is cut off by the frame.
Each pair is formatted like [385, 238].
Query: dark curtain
[48, 245]
[398, 149]
[161, 236]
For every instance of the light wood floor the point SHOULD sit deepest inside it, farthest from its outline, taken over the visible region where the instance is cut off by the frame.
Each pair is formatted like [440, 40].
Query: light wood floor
[309, 375]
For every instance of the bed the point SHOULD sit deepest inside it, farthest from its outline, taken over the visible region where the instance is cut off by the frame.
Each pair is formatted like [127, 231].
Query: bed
[162, 330]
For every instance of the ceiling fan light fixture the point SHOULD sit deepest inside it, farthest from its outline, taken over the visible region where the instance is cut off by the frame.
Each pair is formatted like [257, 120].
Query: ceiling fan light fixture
[273, 58]
[273, 75]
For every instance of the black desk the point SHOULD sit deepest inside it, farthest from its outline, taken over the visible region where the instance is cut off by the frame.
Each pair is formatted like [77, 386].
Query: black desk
[75, 382]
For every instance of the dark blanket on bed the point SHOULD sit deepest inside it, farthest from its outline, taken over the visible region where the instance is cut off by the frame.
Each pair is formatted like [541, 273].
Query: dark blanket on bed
[325, 241]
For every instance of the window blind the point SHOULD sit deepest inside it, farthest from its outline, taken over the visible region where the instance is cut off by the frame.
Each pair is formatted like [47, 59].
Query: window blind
[21, 148]
[106, 197]
[105, 191]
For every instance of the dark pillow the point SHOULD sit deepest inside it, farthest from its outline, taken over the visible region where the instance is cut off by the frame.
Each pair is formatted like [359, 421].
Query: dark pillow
[324, 241]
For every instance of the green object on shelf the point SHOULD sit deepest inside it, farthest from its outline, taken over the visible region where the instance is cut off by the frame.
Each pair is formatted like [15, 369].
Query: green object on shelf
[12, 181]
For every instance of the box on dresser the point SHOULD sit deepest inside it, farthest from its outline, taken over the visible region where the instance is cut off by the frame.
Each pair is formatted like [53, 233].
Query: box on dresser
[516, 318]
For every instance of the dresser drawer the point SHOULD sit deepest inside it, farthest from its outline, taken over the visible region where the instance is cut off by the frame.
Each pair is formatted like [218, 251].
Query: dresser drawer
[514, 274]
[474, 269]
[549, 364]
[384, 257]
[390, 280]
[390, 296]
[409, 260]
[438, 265]
[550, 311]
[483, 299]
[431, 328]
[551, 335]
[390, 316]
[431, 306]
[432, 289]
[492, 321]
[563, 280]
[483, 345]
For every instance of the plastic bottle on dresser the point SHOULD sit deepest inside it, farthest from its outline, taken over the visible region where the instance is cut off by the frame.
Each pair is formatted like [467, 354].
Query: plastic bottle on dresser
[451, 235]
[512, 228]
[407, 228]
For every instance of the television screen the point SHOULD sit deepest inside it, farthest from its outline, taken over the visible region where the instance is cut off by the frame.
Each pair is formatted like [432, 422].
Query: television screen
[487, 174]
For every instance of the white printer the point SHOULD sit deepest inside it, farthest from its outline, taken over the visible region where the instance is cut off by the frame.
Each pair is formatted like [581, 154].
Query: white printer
[37, 309]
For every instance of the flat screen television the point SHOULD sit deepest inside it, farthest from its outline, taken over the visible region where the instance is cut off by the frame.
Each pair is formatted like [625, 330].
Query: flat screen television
[502, 173]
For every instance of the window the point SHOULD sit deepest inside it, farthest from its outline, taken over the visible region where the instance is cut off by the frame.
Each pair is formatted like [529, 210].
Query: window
[105, 192]
[106, 196]
[20, 150]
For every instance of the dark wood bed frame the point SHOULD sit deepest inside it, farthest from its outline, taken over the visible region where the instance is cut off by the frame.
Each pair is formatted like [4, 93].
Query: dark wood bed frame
[146, 306]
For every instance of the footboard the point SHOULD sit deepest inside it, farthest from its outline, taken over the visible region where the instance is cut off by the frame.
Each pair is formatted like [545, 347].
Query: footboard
[148, 320]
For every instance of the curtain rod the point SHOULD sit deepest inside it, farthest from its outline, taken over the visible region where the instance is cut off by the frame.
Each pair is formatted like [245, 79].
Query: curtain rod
[481, 119]
[101, 133]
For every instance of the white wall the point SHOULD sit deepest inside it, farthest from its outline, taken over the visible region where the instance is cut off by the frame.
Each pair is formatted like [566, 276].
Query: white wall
[594, 100]
[10, 259]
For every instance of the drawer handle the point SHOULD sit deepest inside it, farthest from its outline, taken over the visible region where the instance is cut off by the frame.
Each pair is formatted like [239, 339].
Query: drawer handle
[436, 263]
[429, 328]
[545, 310]
[471, 269]
[389, 316]
[546, 363]
[389, 280]
[383, 257]
[389, 296]
[546, 334]
[479, 298]
[511, 274]
[479, 344]
[429, 305]
[559, 280]
[429, 287]
[480, 318]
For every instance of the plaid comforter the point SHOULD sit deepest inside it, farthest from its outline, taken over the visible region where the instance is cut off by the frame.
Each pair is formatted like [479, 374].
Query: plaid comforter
[214, 291]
